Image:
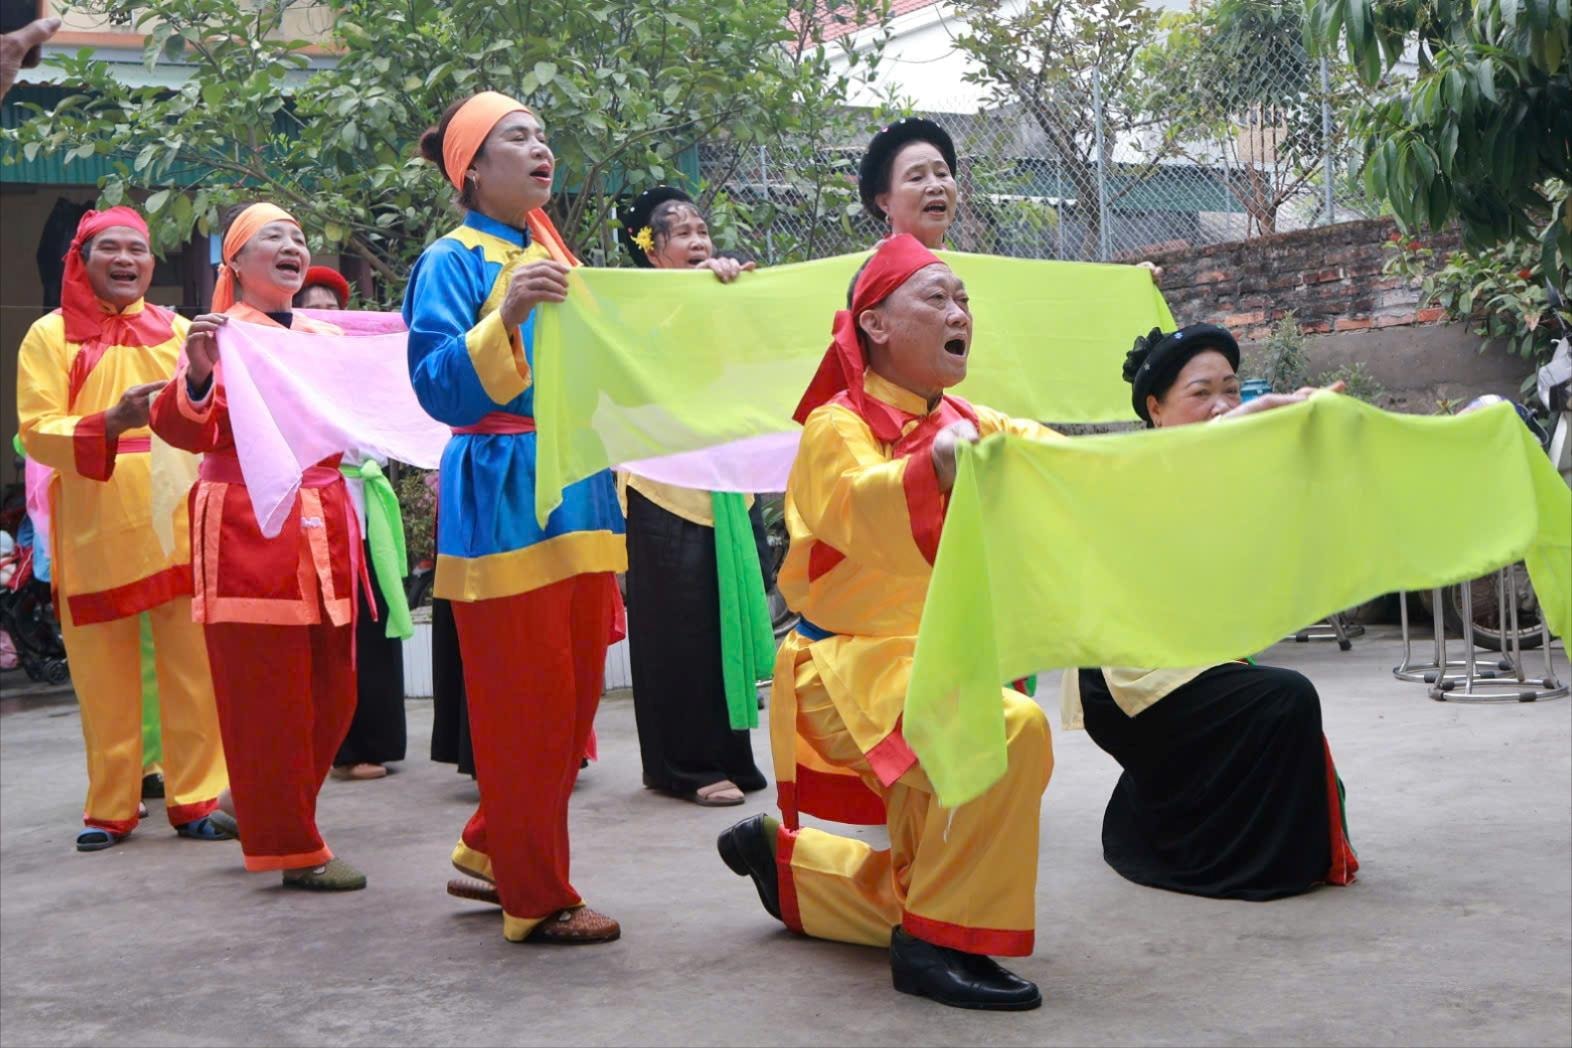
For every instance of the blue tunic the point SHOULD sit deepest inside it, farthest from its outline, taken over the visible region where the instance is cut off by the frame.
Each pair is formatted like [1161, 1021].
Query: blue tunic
[465, 364]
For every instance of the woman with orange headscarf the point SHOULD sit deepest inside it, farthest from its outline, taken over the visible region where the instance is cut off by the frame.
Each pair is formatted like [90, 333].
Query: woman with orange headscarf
[277, 614]
[534, 605]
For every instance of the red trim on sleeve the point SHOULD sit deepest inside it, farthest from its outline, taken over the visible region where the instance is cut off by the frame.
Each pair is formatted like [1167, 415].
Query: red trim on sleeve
[786, 883]
[133, 598]
[891, 757]
[93, 447]
[993, 942]
[924, 503]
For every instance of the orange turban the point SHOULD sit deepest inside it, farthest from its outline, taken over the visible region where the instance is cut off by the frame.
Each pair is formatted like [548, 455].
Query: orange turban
[467, 132]
[241, 230]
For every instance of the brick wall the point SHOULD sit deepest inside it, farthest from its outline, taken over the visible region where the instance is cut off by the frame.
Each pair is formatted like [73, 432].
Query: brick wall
[1329, 276]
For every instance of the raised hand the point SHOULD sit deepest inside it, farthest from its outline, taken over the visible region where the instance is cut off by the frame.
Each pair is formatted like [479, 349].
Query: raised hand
[543, 281]
[727, 269]
[132, 411]
[202, 346]
[944, 444]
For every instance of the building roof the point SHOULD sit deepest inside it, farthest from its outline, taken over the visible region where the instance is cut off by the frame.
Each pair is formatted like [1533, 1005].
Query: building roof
[834, 28]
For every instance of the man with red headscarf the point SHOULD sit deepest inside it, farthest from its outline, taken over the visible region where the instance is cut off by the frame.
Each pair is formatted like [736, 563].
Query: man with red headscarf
[865, 506]
[86, 375]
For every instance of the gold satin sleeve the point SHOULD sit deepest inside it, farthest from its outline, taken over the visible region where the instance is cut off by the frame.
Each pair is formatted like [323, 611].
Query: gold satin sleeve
[851, 495]
[42, 393]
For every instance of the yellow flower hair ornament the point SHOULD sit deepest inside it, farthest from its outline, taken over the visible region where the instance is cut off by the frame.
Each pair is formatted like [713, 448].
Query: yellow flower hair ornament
[645, 239]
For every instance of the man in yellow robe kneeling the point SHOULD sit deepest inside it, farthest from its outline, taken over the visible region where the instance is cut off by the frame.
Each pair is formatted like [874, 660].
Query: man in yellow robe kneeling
[865, 507]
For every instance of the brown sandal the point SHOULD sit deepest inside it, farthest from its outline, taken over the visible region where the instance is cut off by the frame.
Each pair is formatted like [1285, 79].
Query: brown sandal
[722, 794]
[577, 927]
[476, 891]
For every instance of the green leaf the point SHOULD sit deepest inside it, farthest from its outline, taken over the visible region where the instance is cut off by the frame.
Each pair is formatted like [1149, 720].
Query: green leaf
[1485, 74]
[545, 72]
[155, 203]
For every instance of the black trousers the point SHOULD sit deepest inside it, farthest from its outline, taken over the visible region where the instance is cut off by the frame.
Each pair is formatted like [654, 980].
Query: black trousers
[450, 705]
[679, 694]
[377, 734]
[1224, 791]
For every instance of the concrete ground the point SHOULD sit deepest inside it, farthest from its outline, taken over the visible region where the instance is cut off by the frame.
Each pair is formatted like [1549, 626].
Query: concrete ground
[1459, 930]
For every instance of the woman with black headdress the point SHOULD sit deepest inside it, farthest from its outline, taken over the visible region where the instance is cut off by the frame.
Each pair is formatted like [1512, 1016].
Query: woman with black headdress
[688, 737]
[1229, 789]
[907, 180]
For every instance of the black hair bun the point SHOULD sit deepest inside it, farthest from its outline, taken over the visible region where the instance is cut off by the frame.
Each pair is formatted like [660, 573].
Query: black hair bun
[1144, 344]
[431, 145]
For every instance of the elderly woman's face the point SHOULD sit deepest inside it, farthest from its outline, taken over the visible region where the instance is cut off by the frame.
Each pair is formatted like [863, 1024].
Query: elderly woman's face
[685, 243]
[921, 197]
[921, 336]
[512, 174]
[1207, 386]
[119, 265]
[274, 260]
[317, 296]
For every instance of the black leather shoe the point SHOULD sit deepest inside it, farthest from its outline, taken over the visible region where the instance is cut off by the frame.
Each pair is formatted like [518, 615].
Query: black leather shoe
[960, 980]
[152, 785]
[745, 849]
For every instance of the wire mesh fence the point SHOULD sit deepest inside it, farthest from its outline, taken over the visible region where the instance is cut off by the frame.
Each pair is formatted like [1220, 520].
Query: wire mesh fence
[1183, 159]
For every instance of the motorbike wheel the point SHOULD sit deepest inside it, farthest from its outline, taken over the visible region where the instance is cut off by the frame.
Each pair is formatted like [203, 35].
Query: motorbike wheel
[1489, 630]
[57, 671]
[417, 589]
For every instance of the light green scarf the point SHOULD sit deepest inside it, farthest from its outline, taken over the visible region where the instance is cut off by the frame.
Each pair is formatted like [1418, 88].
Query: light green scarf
[747, 641]
[385, 533]
[1189, 546]
[640, 363]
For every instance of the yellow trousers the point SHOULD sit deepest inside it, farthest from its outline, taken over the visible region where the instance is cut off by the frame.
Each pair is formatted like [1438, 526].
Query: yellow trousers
[964, 878]
[106, 670]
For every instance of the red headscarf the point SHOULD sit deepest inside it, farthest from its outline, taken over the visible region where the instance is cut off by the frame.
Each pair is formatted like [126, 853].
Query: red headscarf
[330, 278]
[86, 317]
[892, 264]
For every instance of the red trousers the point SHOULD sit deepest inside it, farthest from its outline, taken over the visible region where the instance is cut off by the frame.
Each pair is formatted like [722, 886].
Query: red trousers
[286, 695]
[534, 664]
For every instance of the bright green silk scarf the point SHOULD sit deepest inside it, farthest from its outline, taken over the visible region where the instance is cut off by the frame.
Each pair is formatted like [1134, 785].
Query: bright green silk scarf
[385, 534]
[1188, 546]
[747, 641]
[640, 363]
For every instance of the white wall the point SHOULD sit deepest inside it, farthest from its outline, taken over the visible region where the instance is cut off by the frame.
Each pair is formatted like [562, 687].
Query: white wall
[921, 65]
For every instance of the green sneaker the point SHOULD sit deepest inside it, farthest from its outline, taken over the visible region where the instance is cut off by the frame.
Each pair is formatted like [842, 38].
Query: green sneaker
[336, 876]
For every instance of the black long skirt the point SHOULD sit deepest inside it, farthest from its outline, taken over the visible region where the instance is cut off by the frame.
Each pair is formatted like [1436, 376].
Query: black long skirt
[450, 706]
[1225, 784]
[377, 734]
[679, 695]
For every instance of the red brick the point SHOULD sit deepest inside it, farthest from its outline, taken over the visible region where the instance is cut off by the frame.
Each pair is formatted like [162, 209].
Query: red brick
[1315, 327]
[1323, 275]
[1211, 276]
[1394, 320]
[1430, 315]
[1352, 324]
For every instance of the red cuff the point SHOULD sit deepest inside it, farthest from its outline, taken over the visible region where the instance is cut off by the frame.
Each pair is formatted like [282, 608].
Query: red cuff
[891, 757]
[94, 448]
[991, 942]
[924, 503]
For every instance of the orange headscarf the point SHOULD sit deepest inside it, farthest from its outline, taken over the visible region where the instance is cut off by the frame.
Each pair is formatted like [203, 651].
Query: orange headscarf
[464, 136]
[241, 230]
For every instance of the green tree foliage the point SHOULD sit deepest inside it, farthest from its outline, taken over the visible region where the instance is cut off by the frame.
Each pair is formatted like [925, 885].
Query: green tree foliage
[1483, 126]
[1234, 77]
[625, 88]
[1041, 57]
